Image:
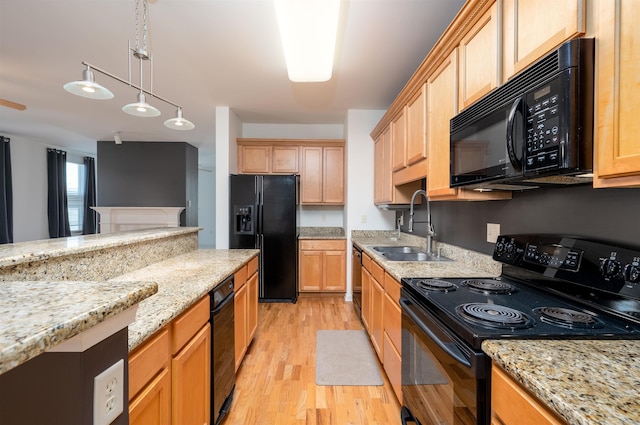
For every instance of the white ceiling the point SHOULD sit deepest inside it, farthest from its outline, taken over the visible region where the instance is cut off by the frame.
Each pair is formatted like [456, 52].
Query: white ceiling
[206, 53]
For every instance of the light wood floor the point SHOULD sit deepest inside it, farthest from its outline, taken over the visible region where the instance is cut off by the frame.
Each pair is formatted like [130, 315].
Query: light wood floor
[275, 384]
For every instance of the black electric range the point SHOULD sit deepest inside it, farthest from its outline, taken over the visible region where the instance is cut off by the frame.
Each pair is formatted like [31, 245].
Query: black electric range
[551, 287]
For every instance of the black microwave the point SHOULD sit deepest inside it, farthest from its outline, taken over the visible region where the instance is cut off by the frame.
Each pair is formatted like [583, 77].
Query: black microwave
[536, 130]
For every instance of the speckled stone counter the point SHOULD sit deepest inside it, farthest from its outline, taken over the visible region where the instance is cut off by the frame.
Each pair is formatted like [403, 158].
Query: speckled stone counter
[321, 233]
[465, 263]
[36, 316]
[585, 382]
[93, 257]
[181, 281]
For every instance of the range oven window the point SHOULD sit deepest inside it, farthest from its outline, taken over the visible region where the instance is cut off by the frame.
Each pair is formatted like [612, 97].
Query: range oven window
[443, 382]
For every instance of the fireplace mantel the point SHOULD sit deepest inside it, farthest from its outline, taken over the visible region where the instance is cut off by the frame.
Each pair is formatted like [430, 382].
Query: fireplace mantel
[119, 219]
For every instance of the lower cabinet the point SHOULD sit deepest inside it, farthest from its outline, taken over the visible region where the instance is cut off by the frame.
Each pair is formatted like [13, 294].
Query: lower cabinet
[323, 265]
[366, 291]
[245, 308]
[511, 404]
[169, 375]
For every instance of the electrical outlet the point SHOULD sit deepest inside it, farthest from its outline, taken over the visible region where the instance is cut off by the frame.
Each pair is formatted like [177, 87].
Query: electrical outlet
[363, 218]
[108, 390]
[493, 231]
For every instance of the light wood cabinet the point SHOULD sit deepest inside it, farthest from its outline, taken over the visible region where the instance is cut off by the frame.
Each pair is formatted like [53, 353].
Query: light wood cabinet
[245, 308]
[399, 141]
[382, 185]
[442, 106]
[169, 375]
[322, 178]
[533, 28]
[617, 145]
[323, 266]
[392, 334]
[254, 159]
[284, 159]
[267, 158]
[366, 295]
[417, 127]
[377, 312]
[480, 63]
[191, 380]
[511, 404]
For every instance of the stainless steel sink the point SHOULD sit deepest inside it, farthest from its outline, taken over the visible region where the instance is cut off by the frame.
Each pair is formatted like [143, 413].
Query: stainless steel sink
[406, 253]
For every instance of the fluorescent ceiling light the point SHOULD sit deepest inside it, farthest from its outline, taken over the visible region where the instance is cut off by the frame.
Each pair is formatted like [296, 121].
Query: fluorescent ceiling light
[308, 29]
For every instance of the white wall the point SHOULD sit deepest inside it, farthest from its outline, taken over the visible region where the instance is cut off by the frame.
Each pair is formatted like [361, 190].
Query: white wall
[360, 212]
[228, 129]
[207, 207]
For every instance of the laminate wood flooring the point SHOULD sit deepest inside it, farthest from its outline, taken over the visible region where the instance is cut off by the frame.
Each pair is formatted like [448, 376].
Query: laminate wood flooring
[275, 384]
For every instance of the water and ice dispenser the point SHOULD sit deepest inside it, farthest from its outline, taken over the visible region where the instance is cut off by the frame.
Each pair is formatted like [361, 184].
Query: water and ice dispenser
[244, 222]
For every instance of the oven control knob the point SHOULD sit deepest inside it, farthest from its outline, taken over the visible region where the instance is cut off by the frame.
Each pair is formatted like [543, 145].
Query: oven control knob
[609, 267]
[510, 248]
[632, 273]
[499, 247]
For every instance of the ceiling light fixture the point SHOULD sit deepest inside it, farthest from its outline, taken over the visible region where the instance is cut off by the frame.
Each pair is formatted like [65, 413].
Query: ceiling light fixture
[87, 87]
[308, 29]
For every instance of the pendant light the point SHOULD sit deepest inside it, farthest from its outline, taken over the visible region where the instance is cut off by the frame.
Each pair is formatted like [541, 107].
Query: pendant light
[87, 87]
[179, 123]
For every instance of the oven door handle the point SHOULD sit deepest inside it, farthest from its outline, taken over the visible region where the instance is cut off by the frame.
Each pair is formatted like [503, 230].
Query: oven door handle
[449, 348]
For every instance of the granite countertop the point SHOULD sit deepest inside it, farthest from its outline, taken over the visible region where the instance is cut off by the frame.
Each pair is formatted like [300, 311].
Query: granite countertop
[586, 382]
[321, 233]
[23, 252]
[181, 281]
[465, 263]
[37, 316]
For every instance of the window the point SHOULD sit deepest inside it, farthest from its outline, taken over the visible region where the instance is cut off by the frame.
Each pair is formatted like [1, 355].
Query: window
[75, 196]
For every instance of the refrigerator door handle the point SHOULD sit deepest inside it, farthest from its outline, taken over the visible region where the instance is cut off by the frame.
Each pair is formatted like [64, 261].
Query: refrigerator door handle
[260, 267]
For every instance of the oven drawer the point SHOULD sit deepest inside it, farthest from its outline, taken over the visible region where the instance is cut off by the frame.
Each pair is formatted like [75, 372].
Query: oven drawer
[513, 405]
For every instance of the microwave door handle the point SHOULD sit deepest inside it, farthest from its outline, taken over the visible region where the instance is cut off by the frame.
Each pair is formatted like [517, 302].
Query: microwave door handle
[517, 163]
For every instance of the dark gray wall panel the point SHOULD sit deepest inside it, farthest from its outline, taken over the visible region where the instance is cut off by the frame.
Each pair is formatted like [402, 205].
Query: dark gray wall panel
[610, 214]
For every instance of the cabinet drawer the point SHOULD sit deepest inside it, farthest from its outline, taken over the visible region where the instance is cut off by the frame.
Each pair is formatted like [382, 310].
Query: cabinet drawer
[147, 360]
[189, 323]
[392, 321]
[512, 404]
[366, 262]
[323, 245]
[377, 272]
[252, 267]
[240, 278]
[392, 287]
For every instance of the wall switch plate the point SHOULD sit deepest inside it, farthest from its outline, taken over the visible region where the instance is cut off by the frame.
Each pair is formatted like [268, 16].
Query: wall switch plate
[493, 231]
[108, 390]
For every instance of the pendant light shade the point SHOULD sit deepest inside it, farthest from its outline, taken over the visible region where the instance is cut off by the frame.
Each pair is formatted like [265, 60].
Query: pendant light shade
[87, 87]
[179, 123]
[141, 108]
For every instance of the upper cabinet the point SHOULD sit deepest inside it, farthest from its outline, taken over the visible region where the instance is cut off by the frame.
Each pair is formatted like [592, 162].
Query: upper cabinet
[322, 176]
[258, 157]
[479, 61]
[532, 28]
[617, 96]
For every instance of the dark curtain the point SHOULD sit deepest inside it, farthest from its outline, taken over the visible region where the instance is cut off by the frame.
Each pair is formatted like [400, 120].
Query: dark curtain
[6, 192]
[89, 225]
[58, 212]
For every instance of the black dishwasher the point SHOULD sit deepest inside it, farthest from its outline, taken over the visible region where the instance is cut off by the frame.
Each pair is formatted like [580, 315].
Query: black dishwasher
[223, 374]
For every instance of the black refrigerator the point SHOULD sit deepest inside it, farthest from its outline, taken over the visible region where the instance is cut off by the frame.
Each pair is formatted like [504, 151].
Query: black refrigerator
[264, 216]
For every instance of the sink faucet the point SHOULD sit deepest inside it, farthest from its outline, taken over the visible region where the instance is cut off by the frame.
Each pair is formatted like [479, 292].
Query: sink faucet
[430, 230]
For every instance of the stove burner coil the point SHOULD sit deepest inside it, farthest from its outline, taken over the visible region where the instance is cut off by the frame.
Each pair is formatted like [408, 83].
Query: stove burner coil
[494, 316]
[489, 286]
[568, 318]
[436, 285]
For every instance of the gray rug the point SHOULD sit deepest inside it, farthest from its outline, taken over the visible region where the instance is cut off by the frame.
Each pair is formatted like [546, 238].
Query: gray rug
[345, 358]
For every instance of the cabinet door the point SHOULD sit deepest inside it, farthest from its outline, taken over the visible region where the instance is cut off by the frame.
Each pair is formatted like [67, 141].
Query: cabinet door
[311, 177]
[442, 106]
[399, 142]
[533, 28]
[153, 404]
[617, 147]
[366, 299]
[252, 307]
[382, 168]
[377, 313]
[335, 271]
[393, 366]
[255, 159]
[479, 60]
[333, 175]
[240, 324]
[417, 127]
[191, 381]
[285, 159]
[311, 268]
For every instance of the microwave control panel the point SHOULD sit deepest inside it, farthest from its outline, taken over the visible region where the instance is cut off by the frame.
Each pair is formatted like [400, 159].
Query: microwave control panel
[543, 136]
